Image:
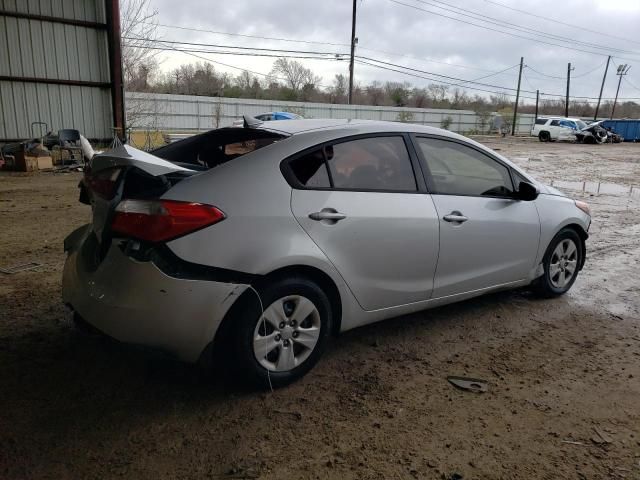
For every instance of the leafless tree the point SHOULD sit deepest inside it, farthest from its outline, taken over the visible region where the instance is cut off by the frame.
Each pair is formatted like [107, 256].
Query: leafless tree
[295, 74]
[245, 80]
[139, 27]
[437, 92]
[419, 98]
[339, 88]
[375, 93]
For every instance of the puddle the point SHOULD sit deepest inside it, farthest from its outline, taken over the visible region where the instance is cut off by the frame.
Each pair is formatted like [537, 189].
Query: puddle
[599, 188]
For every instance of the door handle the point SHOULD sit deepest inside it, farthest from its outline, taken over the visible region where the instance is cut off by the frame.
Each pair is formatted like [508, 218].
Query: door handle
[327, 214]
[455, 217]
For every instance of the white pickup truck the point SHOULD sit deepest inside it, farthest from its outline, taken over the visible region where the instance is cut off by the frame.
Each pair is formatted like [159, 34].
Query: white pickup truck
[549, 129]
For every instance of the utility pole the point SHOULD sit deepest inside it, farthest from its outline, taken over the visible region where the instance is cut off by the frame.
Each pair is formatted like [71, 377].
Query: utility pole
[606, 69]
[515, 108]
[566, 104]
[353, 48]
[622, 70]
[537, 100]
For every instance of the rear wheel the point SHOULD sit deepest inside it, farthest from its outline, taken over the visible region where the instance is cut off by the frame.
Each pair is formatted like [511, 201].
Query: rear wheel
[544, 136]
[561, 263]
[274, 348]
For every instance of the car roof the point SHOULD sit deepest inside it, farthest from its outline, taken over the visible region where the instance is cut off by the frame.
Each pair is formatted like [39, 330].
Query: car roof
[294, 127]
[560, 118]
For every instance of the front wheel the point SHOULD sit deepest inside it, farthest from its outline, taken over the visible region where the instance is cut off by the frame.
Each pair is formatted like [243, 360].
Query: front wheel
[274, 348]
[561, 264]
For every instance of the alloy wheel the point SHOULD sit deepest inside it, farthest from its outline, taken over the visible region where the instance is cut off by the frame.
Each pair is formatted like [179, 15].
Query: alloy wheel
[563, 263]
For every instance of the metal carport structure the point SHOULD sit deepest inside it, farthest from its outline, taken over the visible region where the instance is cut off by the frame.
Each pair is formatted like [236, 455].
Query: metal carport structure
[60, 63]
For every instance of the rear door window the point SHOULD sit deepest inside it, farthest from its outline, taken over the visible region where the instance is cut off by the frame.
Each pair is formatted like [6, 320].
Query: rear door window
[554, 123]
[374, 163]
[310, 170]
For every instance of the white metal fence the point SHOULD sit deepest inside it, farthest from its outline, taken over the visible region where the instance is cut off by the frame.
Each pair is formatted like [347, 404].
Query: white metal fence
[151, 111]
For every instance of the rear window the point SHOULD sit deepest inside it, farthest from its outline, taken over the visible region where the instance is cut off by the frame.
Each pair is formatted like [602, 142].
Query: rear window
[541, 121]
[216, 147]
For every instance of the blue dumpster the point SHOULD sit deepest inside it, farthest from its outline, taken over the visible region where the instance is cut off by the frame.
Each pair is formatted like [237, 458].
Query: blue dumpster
[629, 129]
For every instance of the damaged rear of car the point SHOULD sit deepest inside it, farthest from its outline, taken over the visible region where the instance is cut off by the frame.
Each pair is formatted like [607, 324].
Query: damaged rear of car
[120, 273]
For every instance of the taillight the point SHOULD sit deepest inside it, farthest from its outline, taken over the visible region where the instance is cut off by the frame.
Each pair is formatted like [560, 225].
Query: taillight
[162, 220]
[103, 183]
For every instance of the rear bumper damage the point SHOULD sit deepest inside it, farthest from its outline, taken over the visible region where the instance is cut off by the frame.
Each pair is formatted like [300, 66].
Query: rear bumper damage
[136, 302]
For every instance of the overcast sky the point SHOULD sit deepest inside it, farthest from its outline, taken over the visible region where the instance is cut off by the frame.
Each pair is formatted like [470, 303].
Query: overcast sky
[423, 40]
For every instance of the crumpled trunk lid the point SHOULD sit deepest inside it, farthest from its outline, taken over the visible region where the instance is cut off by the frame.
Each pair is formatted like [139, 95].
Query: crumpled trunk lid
[125, 172]
[128, 156]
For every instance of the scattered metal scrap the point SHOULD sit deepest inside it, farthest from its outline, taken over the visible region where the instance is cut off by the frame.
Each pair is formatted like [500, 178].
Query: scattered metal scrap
[469, 384]
[21, 268]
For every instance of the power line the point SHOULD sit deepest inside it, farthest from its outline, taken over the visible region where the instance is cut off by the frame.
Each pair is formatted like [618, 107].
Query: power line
[440, 75]
[182, 49]
[469, 81]
[385, 52]
[281, 39]
[630, 84]
[475, 80]
[278, 39]
[527, 80]
[266, 75]
[564, 78]
[167, 45]
[514, 26]
[590, 71]
[235, 47]
[544, 74]
[499, 31]
[362, 62]
[559, 22]
[251, 54]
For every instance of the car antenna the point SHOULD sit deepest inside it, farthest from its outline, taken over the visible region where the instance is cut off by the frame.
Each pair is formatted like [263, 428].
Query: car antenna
[250, 122]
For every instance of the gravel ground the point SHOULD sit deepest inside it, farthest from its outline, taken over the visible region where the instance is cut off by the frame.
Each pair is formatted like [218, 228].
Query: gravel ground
[564, 374]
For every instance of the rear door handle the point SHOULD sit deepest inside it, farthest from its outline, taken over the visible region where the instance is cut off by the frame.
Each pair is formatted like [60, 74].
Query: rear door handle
[327, 214]
[455, 217]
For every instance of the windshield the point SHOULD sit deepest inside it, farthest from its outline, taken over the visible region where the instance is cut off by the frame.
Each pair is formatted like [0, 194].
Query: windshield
[581, 124]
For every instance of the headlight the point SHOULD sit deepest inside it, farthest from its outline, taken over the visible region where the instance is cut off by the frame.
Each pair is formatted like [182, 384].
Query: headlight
[584, 206]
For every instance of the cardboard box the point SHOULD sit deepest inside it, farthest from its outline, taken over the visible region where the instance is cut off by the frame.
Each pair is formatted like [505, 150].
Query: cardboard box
[31, 163]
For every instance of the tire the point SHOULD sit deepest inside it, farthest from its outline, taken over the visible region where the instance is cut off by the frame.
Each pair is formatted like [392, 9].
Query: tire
[544, 136]
[563, 253]
[290, 351]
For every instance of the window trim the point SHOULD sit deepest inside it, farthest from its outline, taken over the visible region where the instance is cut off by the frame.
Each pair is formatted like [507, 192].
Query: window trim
[416, 167]
[427, 172]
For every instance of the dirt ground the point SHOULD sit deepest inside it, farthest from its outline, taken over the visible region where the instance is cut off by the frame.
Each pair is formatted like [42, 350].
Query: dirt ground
[564, 374]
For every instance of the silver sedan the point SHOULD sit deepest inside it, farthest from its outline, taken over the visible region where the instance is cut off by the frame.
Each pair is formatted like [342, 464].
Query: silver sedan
[251, 247]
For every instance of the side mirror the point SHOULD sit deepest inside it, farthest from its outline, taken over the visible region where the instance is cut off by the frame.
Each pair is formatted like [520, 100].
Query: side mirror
[527, 192]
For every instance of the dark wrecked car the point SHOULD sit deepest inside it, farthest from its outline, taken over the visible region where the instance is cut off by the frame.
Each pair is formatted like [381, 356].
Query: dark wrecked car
[596, 133]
